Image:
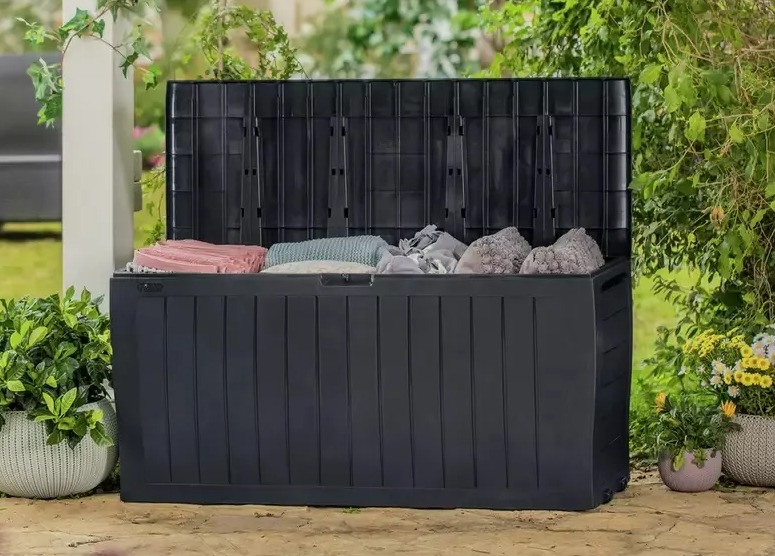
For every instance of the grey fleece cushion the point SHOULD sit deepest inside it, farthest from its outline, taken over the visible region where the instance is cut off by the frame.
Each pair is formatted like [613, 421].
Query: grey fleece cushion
[501, 253]
[573, 253]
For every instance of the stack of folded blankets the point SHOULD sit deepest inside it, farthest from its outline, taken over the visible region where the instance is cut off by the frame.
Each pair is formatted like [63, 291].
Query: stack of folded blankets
[430, 251]
[191, 256]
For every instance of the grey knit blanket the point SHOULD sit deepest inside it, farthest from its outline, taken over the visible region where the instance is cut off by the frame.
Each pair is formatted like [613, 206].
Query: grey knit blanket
[366, 250]
[573, 253]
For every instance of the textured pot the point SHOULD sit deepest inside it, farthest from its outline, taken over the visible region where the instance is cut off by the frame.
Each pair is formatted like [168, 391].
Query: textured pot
[30, 468]
[691, 478]
[749, 454]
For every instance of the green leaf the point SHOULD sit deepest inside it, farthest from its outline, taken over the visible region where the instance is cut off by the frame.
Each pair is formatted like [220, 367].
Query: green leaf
[16, 340]
[49, 403]
[678, 461]
[100, 436]
[15, 386]
[66, 424]
[81, 428]
[651, 74]
[55, 437]
[68, 398]
[98, 27]
[763, 121]
[47, 417]
[51, 381]
[735, 134]
[37, 335]
[770, 191]
[151, 76]
[69, 293]
[70, 320]
[695, 131]
[758, 217]
[25, 328]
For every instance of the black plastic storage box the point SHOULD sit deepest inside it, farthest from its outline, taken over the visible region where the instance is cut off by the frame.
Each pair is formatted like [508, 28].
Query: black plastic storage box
[421, 391]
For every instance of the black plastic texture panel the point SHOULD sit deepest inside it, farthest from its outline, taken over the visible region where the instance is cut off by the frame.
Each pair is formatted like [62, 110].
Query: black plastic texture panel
[262, 162]
[421, 391]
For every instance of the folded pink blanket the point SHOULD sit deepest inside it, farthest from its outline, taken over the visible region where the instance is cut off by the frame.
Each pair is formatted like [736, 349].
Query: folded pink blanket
[188, 255]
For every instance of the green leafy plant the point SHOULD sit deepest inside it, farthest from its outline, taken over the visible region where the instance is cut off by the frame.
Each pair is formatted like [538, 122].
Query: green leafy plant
[55, 357]
[689, 423]
[703, 139]
[394, 38]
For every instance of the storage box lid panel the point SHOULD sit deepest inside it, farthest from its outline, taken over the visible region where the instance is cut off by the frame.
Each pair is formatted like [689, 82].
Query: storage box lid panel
[261, 162]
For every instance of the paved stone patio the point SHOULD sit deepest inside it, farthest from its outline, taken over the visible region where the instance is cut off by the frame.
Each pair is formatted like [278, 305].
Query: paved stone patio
[646, 519]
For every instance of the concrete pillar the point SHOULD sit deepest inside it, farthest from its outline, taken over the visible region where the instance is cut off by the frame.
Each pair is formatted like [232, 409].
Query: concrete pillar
[97, 120]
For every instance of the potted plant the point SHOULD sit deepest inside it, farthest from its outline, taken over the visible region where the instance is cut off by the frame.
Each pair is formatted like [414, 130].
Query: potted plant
[57, 425]
[689, 433]
[741, 373]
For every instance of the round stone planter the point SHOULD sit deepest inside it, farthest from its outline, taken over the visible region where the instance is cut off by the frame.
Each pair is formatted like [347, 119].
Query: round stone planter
[691, 478]
[29, 468]
[749, 454]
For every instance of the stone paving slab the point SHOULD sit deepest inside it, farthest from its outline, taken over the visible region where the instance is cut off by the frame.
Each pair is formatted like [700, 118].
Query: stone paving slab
[646, 519]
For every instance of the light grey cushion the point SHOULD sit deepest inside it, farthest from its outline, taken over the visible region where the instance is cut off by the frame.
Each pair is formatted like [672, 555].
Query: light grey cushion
[320, 267]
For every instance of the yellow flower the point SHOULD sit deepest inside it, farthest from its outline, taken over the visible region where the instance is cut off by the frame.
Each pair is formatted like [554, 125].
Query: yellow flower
[746, 351]
[660, 400]
[727, 378]
[766, 381]
[756, 377]
[728, 409]
[739, 375]
[748, 379]
[764, 364]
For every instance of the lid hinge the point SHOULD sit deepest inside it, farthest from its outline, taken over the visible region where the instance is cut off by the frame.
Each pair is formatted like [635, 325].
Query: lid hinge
[544, 209]
[455, 178]
[338, 214]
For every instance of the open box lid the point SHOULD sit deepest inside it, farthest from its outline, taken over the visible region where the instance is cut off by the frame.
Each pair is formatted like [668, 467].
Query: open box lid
[268, 161]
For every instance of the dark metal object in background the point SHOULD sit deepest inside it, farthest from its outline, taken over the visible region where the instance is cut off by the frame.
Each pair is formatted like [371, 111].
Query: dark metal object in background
[30, 154]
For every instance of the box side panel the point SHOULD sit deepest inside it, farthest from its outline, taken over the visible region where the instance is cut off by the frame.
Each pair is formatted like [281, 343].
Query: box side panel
[565, 388]
[613, 318]
[351, 395]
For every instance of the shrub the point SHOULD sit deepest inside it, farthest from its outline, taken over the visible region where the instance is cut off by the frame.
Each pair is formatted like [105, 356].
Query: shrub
[55, 356]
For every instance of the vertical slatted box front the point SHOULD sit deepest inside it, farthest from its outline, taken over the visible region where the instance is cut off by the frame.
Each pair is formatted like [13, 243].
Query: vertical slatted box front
[207, 161]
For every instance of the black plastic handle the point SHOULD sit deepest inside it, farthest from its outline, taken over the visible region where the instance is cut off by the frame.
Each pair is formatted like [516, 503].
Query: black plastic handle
[330, 280]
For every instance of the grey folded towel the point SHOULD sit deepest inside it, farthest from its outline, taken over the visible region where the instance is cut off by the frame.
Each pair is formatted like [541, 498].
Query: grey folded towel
[500, 253]
[575, 252]
[430, 251]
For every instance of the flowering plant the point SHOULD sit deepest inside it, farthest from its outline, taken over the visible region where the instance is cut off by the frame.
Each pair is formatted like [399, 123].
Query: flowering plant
[690, 423]
[735, 371]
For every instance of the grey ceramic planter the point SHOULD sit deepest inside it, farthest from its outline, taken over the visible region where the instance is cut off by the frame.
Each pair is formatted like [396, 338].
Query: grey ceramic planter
[691, 478]
[749, 454]
[29, 468]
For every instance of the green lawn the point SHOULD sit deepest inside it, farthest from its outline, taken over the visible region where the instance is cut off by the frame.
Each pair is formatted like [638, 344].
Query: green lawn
[31, 264]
